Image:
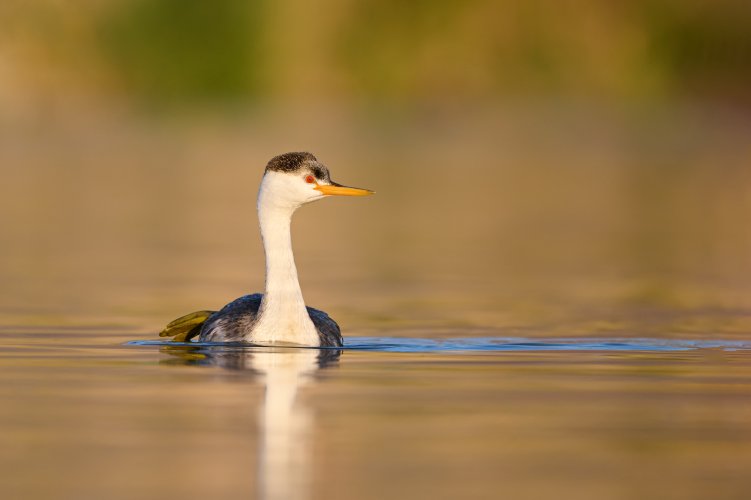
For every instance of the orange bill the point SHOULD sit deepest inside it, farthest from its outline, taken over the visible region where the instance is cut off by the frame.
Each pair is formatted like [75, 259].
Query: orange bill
[335, 189]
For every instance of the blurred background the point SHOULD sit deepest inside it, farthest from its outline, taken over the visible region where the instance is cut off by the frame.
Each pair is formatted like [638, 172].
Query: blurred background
[552, 168]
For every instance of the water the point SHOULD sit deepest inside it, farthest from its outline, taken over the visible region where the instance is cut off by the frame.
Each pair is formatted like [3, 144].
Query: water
[569, 317]
[98, 414]
[481, 344]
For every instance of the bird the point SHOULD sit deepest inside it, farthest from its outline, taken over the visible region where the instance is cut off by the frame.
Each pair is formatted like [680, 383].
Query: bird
[278, 316]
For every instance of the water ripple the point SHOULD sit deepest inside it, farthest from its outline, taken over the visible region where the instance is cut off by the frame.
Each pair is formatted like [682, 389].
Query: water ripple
[491, 344]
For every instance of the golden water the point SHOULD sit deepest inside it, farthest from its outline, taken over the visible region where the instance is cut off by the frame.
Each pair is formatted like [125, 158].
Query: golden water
[529, 228]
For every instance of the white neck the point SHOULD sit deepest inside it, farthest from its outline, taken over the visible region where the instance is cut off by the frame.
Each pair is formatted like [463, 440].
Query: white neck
[282, 316]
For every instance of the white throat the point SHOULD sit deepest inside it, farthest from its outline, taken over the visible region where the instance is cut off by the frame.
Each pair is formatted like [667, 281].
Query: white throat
[282, 316]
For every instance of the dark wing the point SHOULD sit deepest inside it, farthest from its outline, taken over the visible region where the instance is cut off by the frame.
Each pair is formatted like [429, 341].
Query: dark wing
[233, 321]
[328, 330]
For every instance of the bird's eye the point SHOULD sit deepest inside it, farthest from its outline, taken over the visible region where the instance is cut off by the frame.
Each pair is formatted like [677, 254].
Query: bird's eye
[310, 179]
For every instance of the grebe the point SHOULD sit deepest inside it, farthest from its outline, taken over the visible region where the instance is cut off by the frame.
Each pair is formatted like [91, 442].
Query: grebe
[278, 316]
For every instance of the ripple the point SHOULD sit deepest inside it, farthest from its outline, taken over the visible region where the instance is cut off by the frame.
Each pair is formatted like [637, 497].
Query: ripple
[493, 344]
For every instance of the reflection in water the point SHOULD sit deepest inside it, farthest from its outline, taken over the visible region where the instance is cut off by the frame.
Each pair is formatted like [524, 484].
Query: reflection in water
[285, 425]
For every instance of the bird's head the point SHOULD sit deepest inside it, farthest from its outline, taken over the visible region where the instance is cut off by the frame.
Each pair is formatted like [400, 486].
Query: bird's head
[293, 179]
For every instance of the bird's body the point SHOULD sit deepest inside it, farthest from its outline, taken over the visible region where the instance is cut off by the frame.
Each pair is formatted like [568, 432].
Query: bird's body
[279, 315]
[234, 320]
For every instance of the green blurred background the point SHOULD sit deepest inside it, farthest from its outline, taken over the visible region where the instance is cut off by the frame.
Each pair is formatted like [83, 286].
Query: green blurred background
[163, 53]
[531, 158]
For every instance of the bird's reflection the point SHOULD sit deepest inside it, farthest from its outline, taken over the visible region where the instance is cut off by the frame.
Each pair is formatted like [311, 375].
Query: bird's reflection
[285, 425]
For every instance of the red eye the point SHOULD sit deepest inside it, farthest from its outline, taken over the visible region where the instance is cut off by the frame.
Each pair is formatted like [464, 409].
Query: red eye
[310, 179]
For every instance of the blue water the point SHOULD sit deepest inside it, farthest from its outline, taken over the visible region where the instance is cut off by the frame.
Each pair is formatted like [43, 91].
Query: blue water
[489, 344]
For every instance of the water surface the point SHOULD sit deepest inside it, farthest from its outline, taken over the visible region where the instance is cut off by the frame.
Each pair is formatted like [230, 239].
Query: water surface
[95, 414]
[545, 303]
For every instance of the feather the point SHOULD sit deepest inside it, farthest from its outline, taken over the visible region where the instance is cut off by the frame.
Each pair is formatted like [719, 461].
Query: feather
[186, 327]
